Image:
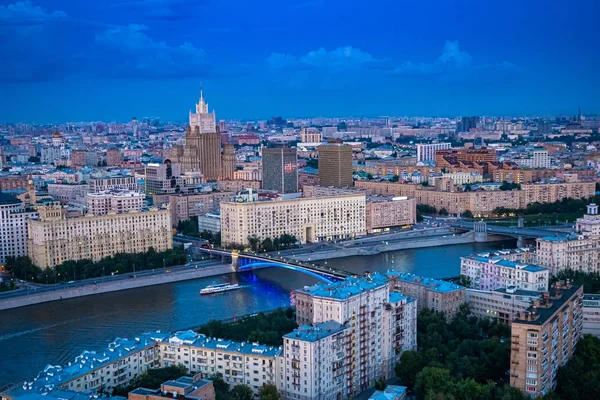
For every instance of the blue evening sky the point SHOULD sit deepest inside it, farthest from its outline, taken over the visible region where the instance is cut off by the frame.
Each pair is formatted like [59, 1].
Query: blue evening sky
[75, 60]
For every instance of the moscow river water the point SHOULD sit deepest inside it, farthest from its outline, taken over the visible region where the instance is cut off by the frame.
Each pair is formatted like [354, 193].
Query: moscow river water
[54, 333]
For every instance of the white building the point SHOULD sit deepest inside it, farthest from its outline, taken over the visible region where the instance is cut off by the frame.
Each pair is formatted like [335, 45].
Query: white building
[115, 200]
[13, 227]
[569, 251]
[209, 222]
[354, 331]
[68, 193]
[591, 314]
[589, 224]
[426, 152]
[491, 273]
[309, 219]
[536, 158]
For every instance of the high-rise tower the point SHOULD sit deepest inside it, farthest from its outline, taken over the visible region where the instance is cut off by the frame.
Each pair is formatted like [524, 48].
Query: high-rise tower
[228, 162]
[202, 152]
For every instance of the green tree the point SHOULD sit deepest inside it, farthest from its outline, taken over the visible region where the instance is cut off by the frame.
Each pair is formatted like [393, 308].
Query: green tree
[342, 126]
[253, 242]
[433, 380]
[221, 387]
[267, 245]
[394, 179]
[242, 392]
[467, 214]
[152, 379]
[380, 384]
[580, 378]
[425, 183]
[443, 211]
[411, 362]
[268, 392]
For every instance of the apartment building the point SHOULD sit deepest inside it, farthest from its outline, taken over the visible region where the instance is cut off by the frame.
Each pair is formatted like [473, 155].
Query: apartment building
[238, 185]
[239, 363]
[495, 272]
[591, 314]
[520, 176]
[108, 182]
[185, 206]
[426, 152]
[115, 201]
[434, 294]
[335, 165]
[536, 158]
[309, 219]
[468, 155]
[121, 362]
[569, 251]
[549, 192]
[383, 213]
[543, 338]
[14, 218]
[351, 333]
[69, 193]
[55, 238]
[503, 305]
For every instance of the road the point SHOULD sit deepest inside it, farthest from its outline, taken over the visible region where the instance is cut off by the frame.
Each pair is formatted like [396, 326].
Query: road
[510, 230]
[27, 288]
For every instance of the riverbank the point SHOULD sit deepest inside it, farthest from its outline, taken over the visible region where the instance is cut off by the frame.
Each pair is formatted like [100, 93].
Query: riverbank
[107, 287]
[416, 243]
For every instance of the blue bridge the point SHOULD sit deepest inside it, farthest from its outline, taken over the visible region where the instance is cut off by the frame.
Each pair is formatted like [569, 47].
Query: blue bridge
[248, 261]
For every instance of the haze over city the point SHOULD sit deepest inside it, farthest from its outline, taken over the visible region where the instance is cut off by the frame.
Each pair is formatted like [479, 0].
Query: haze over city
[111, 60]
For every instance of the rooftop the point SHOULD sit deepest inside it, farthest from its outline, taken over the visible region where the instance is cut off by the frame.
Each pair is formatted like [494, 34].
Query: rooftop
[351, 286]
[313, 333]
[436, 285]
[389, 393]
[508, 263]
[558, 297]
[6, 199]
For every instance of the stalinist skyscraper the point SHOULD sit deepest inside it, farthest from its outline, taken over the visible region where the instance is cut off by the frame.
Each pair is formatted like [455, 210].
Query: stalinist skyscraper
[202, 151]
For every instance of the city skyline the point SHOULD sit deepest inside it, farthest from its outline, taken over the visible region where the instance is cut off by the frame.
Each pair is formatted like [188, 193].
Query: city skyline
[66, 61]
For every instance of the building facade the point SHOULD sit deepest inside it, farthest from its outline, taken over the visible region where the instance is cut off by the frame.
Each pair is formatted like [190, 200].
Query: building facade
[335, 165]
[54, 238]
[503, 305]
[280, 169]
[426, 152]
[434, 294]
[496, 272]
[185, 206]
[14, 218]
[202, 151]
[351, 333]
[109, 182]
[543, 339]
[591, 314]
[385, 213]
[229, 162]
[69, 193]
[115, 201]
[308, 219]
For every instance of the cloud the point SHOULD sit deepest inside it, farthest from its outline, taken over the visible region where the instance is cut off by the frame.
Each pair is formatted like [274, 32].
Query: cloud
[141, 56]
[455, 64]
[162, 9]
[340, 59]
[23, 13]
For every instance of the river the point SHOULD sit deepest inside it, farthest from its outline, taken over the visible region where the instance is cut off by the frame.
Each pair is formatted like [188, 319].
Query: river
[54, 333]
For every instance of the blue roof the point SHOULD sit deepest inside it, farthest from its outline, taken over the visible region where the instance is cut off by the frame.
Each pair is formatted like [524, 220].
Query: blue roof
[436, 285]
[390, 392]
[313, 333]
[508, 263]
[570, 236]
[396, 297]
[347, 288]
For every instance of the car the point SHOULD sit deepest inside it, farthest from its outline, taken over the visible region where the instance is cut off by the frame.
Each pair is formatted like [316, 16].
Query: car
[71, 282]
[131, 276]
[167, 271]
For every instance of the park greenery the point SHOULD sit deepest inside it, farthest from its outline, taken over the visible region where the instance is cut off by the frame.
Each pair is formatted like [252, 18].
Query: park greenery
[281, 242]
[265, 328]
[465, 358]
[151, 379]
[580, 378]
[589, 280]
[566, 208]
[123, 263]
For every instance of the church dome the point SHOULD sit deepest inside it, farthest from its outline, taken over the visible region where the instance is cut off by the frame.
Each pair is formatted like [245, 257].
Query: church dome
[57, 135]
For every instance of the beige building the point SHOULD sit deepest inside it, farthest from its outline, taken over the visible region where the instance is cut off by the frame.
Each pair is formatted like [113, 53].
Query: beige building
[335, 165]
[434, 294]
[310, 135]
[229, 162]
[482, 202]
[54, 238]
[202, 151]
[309, 219]
[184, 206]
[238, 185]
[69, 193]
[115, 200]
[383, 213]
[543, 339]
